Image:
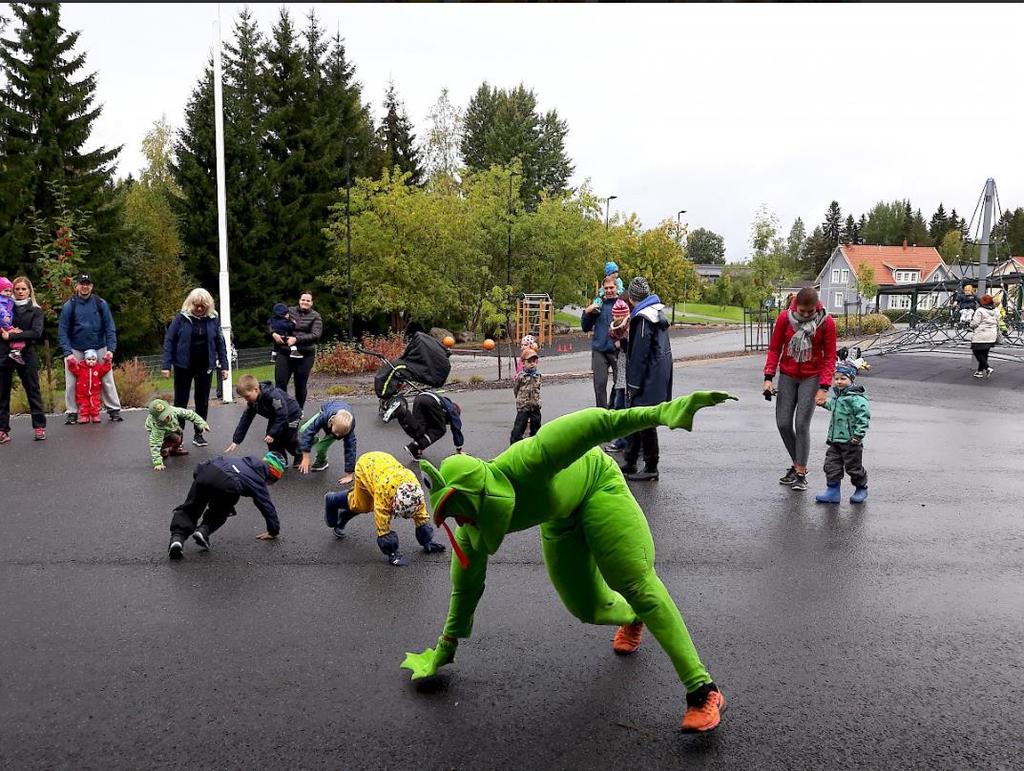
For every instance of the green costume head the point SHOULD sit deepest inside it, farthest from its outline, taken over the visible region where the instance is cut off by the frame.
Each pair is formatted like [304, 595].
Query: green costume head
[161, 412]
[475, 494]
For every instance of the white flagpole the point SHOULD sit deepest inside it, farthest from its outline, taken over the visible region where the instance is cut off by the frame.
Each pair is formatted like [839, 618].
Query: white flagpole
[222, 209]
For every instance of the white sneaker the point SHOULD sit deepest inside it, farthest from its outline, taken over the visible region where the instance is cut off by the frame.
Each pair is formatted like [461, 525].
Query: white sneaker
[979, 375]
[988, 372]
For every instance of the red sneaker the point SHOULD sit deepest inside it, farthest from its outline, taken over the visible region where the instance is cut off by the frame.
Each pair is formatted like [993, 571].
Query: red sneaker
[627, 638]
[4, 437]
[95, 418]
[40, 434]
[704, 708]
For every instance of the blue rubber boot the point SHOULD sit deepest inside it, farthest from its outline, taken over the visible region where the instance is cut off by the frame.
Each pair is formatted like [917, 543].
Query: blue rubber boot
[831, 495]
[859, 495]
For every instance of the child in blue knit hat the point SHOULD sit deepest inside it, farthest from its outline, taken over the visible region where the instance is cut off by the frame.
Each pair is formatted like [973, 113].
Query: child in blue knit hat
[610, 270]
[851, 415]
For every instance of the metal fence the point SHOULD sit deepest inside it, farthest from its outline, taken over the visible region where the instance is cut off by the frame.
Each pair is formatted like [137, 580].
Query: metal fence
[247, 358]
[757, 329]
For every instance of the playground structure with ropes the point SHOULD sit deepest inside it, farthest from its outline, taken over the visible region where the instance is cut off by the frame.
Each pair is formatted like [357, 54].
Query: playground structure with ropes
[941, 330]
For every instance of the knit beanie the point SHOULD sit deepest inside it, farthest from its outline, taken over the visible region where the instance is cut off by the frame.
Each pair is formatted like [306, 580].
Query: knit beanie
[5, 283]
[275, 465]
[620, 308]
[610, 267]
[848, 369]
[639, 289]
[408, 499]
[280, 309]
[90, 354]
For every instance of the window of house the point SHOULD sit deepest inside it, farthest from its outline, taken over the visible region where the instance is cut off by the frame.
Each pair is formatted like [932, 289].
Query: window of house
[899, 302]
[907, 276]
[846, 276]
[837, 300]
[835, 275]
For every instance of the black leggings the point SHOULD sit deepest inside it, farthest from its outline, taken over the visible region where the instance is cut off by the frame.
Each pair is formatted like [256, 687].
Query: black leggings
[286, 366]
[212, 497]
[183, 381]
[981, 354]
[30, 381]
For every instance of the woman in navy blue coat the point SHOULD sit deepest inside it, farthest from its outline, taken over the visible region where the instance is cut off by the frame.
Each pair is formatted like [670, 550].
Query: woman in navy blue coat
[193, 346]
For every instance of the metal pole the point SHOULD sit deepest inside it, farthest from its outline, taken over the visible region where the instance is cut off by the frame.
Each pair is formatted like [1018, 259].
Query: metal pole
[348, 229]
[679, 239]
[222, 211]
[608, 209]
[986, 231]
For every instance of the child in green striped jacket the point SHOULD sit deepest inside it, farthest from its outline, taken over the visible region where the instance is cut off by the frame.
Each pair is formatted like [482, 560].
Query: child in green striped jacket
[164, 425]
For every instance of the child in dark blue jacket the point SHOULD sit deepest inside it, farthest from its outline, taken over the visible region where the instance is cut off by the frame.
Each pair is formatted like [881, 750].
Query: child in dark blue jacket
[337, 420]
[281, 410]
[427, 422]
[216, 487]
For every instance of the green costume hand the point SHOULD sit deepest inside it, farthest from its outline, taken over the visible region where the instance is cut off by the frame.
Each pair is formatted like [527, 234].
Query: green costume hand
[427, 663]
[679, 413]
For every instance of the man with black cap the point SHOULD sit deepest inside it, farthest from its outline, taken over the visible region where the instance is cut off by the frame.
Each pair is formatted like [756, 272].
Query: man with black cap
[86, 322]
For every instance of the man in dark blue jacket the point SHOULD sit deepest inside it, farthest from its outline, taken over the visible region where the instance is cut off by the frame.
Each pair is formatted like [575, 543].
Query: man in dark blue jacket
[278, 407]
[598, 318]
[648, 373]
[86, 322]
[216, 487]
[428, 420]
[337, 420]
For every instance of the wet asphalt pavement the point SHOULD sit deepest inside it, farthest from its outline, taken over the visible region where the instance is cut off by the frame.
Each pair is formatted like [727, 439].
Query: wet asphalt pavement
[885, 636]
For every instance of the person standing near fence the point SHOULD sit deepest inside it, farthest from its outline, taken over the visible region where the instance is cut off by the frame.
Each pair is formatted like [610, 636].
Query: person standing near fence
[308, 330]
[28, 328]
[803, 347]
[194, 346]
[86, 322]
[598, 318]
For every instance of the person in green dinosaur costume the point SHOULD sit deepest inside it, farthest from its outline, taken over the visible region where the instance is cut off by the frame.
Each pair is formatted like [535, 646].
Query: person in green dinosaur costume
[595, 539]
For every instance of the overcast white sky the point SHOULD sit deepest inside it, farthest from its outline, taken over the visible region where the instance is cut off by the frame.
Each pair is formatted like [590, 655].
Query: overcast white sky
[710, 108]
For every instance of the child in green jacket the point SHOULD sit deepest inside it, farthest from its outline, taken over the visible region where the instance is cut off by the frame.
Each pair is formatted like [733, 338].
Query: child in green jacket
[164, 425]
[851, 415]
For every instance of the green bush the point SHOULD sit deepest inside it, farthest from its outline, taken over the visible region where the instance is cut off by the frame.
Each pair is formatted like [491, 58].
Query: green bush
[869, 324]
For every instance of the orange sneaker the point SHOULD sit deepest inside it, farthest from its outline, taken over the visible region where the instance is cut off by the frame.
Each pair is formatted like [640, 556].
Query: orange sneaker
[704, 708]
[627, 638]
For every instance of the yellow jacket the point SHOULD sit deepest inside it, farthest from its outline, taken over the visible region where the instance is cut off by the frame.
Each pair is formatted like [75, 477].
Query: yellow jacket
[377, 477]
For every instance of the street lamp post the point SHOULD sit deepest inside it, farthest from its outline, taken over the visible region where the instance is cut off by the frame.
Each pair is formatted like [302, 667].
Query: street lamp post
[679, 238]
[608, 208]
[508, 280]
[348, 228]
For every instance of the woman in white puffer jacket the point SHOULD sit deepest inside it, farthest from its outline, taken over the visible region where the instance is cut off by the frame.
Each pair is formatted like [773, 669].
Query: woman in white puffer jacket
[985, 323]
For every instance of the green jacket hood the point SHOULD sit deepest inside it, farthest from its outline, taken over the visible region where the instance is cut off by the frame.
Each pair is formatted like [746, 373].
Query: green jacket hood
[160, 411]
[470, 488]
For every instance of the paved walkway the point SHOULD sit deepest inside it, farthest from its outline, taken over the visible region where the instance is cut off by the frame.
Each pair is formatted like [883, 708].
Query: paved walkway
[886, 636]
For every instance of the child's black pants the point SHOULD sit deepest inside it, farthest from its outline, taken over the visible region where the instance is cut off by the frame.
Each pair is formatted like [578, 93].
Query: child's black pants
[425, 424]
[846, 456]
[525, 417]
[213, 496]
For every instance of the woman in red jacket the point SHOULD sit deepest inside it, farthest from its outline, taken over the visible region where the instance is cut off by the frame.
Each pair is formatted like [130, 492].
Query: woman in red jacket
[803, 347]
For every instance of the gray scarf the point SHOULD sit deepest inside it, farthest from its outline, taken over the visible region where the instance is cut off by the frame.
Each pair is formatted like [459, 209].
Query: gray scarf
[801, 342]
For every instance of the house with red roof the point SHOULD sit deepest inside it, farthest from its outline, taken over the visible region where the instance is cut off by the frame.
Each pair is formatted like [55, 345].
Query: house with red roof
[891, 265]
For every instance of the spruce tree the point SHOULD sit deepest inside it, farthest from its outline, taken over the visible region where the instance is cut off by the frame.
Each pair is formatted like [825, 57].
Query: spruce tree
[850, 234]
[479, 118]
[832, 227]
[396, 139]
[47, 113]
[553, 165]
[939, 225]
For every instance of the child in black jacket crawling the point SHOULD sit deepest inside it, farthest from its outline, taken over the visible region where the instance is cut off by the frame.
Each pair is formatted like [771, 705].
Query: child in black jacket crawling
[216, 487]
[281, 410]
[427, 422]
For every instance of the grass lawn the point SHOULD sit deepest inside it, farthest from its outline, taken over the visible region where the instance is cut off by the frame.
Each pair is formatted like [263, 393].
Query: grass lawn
[730, 313]
[262, 372]
[569, 319]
